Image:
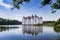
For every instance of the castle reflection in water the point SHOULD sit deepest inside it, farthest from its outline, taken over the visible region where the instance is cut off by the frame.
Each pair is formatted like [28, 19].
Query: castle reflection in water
[34, 30]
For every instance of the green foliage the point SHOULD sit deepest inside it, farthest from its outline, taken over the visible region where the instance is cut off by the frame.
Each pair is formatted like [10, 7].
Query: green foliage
[58, 1]
[9, 22]
[16, 3]
[58, 19]
[52, 23]
[53, 11]
[53, 5]
[57, 29]
[48, 23]
[4, 28]
[57, 23]
[27, 1]
[45, 2]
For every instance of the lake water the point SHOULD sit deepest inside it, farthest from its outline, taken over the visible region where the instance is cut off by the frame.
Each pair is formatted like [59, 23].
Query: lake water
[28, 33]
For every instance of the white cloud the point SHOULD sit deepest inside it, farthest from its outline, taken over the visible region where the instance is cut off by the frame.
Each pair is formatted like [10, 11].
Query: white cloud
[1, 0]
[4, 4]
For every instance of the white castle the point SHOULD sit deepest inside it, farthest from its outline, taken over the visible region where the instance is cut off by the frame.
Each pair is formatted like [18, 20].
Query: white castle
[31, 20]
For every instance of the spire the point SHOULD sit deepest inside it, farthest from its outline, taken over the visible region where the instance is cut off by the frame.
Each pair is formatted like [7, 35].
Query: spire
[35, 15]
[32, 16]
[40, 17]
[23, 16]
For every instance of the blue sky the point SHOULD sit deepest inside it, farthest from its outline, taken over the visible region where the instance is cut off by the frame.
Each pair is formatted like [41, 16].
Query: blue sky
[28, 9]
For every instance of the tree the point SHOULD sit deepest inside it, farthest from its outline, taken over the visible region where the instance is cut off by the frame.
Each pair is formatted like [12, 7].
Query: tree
[57, 22]
[9, 22]
[54, 5]
[16, 3]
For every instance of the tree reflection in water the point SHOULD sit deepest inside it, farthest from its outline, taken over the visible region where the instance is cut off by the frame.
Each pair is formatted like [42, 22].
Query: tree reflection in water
[34, 30]
[6, 28]
[57, 29]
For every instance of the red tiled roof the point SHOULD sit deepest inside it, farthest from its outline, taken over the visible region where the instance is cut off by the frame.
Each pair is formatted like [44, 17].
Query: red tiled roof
[29, 17]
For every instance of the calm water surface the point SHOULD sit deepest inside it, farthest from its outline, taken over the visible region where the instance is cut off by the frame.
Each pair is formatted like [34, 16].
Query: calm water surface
[29, 33]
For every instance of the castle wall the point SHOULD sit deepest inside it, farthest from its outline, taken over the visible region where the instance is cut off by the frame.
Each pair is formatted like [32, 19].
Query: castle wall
[34, 20]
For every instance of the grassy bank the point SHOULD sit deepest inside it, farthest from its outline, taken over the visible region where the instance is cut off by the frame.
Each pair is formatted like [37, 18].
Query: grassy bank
[51, 24]
[48, 24]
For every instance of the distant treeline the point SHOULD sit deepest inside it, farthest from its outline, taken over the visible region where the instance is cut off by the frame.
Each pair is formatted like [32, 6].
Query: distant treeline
[52, 23]
[48, 21]
[9, 22]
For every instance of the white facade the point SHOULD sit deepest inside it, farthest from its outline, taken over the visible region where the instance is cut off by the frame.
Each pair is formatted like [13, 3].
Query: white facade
[32, 20]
